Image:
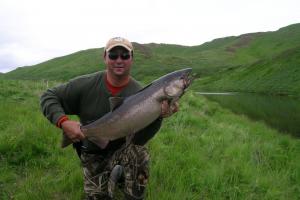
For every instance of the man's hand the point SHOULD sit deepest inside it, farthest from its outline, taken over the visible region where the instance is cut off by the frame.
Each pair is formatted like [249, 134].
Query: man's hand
[168, 110]
[72, 130]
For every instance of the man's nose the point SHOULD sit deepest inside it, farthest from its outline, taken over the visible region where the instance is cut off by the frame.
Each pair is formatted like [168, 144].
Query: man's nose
[119, 59]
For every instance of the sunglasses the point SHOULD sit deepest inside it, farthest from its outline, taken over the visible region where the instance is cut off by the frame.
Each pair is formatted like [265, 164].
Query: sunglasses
[115, 55]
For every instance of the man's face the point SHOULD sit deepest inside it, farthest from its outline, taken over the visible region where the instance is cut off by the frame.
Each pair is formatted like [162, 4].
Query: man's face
[118, 61]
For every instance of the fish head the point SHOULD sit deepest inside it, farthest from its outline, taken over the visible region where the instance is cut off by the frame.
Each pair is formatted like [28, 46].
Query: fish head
[177, 82]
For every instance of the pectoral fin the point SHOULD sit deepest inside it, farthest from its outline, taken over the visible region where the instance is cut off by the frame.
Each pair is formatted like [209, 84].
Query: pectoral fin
[115, 102]
[65, 141]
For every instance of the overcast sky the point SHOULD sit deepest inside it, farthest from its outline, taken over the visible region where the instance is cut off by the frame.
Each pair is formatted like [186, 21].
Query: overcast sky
[34, 31]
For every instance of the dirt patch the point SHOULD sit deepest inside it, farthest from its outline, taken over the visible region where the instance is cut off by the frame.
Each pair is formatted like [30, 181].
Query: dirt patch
[242, 41]
[146, 51]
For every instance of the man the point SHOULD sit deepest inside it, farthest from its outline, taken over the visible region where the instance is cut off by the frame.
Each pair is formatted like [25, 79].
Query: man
[123, 161]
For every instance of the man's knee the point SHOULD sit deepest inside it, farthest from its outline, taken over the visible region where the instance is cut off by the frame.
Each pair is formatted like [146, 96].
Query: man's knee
[95, 176]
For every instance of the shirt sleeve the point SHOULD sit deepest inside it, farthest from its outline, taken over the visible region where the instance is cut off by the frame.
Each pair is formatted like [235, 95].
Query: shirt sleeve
[60, 101]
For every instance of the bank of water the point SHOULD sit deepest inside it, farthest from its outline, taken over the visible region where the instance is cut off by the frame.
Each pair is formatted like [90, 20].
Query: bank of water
[280, 112]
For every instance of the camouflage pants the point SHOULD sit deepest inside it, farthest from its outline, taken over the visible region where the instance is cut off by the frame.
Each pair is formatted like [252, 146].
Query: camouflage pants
[133, 159]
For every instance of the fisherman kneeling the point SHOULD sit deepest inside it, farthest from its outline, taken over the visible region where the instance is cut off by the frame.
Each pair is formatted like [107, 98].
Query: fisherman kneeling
[123, 160]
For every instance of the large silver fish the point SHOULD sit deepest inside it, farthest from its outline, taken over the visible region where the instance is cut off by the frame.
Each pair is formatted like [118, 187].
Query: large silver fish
[135, 112]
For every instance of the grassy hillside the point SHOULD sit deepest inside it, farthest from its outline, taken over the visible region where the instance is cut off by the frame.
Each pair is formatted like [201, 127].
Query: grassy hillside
[152, 60]
[202, 152]
[276, 75]
[61, 68]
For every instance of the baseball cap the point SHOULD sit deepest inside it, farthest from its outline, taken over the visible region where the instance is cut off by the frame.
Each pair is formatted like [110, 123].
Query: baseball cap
[118, 41]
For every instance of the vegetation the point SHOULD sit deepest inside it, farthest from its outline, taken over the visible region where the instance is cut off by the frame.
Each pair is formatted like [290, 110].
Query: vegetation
[208, 153]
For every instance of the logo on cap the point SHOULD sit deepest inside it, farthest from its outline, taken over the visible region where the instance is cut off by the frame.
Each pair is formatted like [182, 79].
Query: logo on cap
[118, 39]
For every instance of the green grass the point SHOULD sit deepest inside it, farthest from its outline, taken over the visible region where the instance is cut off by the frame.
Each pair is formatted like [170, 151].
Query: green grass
[30, 168]
[202, 152]
[277, 75]
[213, 154]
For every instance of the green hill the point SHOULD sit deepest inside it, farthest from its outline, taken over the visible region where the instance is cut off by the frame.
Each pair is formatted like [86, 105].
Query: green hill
[276, 75]
[224, 55]
[60, 68]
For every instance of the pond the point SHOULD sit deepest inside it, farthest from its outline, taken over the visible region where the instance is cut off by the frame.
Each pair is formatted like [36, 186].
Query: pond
[280, 112]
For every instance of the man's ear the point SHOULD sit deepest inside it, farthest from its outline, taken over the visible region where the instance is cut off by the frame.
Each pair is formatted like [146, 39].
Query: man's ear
[104, 57]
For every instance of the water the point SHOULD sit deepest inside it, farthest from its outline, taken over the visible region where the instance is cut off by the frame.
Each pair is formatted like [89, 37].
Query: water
[280, 112]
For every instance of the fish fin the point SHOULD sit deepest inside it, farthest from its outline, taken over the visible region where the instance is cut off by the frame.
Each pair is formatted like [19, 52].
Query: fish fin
[102, 143]
[65, 141]
[116, 174]
[145, 87]
[115, 102]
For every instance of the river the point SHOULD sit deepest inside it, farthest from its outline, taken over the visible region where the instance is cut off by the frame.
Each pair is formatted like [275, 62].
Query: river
[280, 112]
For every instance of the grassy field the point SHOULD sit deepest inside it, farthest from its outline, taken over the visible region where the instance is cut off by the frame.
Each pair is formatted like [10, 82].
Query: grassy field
[202, 152]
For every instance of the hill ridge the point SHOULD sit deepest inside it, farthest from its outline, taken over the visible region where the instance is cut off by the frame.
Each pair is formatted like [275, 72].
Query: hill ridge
[221, 55]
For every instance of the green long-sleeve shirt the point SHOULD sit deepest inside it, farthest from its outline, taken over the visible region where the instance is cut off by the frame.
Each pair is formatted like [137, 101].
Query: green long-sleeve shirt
[88, 97]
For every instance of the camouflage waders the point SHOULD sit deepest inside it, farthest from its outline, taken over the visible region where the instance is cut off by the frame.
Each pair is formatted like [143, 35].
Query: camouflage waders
[134, 162]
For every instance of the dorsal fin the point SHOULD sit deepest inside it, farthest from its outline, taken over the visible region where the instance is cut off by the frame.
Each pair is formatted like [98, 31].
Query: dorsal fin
[115, 102]
[145, 87]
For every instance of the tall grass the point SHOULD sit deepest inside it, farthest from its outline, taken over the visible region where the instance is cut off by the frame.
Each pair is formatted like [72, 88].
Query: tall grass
[206, 152]
[202, 152]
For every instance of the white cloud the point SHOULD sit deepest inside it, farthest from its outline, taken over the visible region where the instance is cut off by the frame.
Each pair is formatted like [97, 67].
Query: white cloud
[34, 30]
